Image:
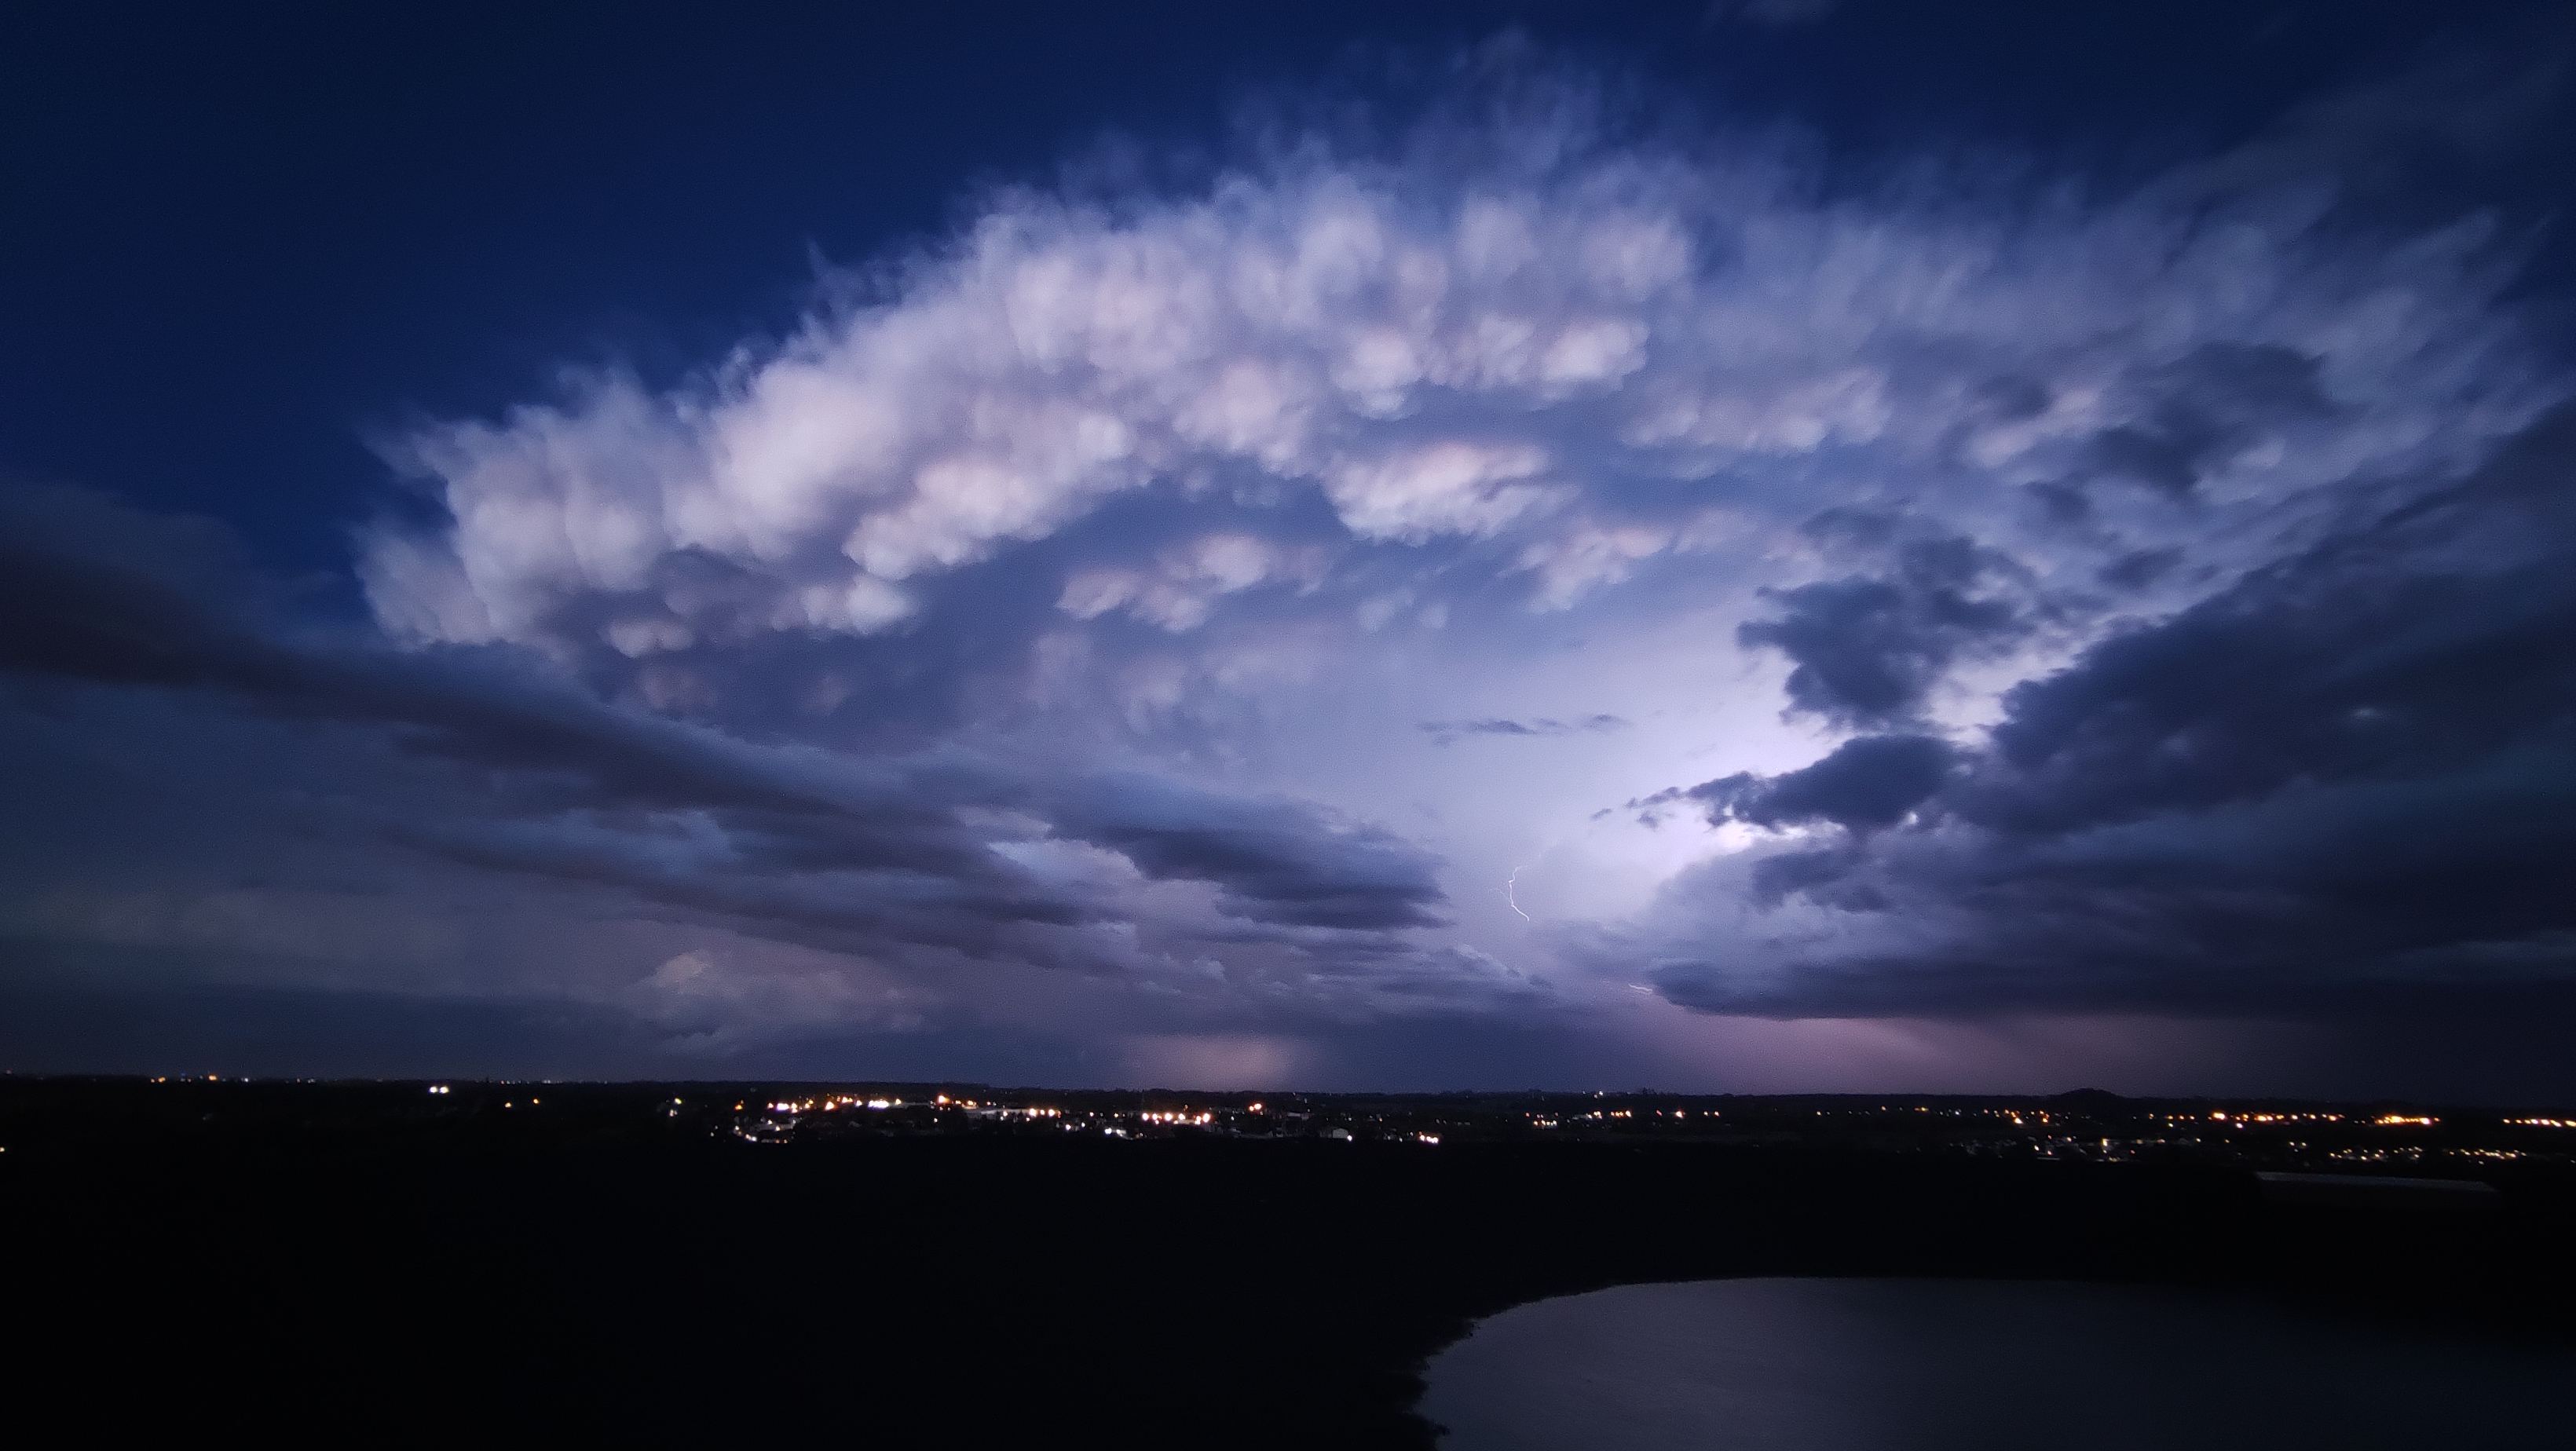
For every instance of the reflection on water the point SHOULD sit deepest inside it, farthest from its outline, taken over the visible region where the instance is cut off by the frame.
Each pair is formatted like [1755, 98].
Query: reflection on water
[1838, 1365]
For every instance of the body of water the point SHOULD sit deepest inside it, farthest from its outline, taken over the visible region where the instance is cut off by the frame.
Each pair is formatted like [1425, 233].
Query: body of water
[1941, 1365]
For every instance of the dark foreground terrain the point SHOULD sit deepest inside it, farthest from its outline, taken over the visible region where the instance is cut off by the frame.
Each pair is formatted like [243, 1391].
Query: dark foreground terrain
[303, 1261]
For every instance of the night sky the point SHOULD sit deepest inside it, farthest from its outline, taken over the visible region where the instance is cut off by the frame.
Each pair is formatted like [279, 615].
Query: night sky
[1776, 545]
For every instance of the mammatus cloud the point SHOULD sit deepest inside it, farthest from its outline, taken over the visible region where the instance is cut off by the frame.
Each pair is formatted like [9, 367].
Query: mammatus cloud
[1184, 583]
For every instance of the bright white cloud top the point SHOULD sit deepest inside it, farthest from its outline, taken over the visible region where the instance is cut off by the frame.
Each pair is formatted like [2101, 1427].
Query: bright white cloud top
[1577, 352]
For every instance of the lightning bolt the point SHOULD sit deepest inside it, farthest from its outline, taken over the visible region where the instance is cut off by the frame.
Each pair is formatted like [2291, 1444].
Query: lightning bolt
[1511, 891]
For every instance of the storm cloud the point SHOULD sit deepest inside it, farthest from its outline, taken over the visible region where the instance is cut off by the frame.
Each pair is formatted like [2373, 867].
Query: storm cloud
[1868, 781]
[486, 762]
[1869, 651]
[2342, 784]
[1217, 621]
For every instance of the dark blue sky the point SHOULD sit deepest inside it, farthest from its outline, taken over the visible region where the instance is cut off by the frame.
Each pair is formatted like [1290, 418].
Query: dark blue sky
[1762, 544]
[244, 238]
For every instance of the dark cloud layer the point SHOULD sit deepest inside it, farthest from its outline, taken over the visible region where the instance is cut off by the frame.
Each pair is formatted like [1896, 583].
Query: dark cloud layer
[1275, 861]
[1868, 782]
[1868, 651]
[531, 777]
[2347, 783]
[2209, 407]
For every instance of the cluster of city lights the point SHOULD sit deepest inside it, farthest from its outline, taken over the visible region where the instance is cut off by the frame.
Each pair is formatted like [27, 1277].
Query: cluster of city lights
[833, 1105]
[972, 1106]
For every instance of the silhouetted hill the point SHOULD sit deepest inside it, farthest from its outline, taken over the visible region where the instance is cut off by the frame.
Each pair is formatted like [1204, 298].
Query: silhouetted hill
[486, 1278]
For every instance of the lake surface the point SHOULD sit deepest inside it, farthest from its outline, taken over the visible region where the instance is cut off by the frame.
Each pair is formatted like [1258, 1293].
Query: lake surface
[1949, 1365]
